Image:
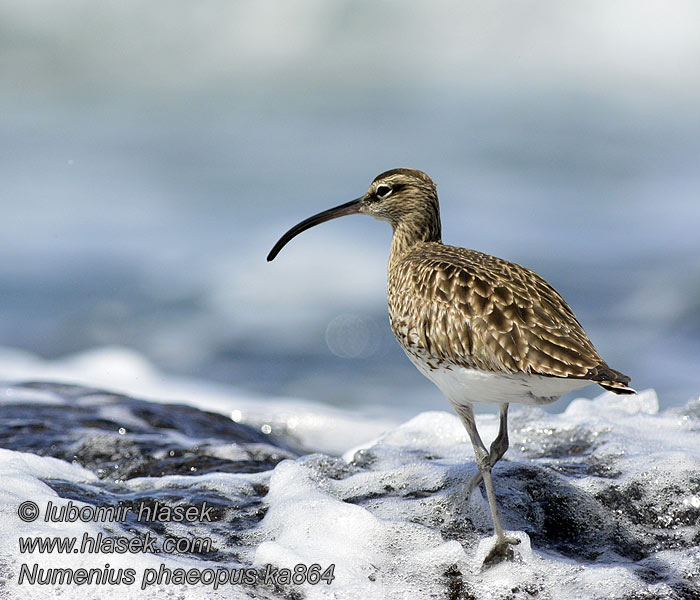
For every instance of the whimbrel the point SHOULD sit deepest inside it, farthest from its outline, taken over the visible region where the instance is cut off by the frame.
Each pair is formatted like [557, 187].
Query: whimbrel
[480, 328]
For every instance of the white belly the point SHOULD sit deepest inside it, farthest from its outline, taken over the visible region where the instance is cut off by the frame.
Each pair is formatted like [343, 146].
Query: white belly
[462, 385]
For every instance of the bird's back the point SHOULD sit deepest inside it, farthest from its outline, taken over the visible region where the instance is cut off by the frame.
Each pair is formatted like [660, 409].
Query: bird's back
[453, 307]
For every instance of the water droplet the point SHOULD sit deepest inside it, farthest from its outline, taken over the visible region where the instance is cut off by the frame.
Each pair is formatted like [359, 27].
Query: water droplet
[352, 336]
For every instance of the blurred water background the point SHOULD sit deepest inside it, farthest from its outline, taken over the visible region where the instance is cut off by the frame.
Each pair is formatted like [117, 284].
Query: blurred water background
[153, 152]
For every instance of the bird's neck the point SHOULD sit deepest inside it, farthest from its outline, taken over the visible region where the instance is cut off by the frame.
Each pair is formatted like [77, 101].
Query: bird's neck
[409, 232]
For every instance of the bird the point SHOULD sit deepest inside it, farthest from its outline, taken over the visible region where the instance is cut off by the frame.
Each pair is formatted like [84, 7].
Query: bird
[481, 328]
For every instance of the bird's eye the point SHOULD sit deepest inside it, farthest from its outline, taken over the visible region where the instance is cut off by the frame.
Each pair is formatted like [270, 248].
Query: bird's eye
[383, 191]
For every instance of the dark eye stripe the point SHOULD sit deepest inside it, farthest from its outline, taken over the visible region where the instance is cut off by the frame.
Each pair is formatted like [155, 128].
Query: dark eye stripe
[381, 194]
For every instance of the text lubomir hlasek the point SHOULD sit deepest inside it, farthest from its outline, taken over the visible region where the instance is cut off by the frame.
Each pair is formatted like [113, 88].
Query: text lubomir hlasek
[143, 512]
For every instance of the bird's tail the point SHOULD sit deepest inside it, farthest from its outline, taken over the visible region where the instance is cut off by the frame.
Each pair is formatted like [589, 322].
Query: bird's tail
[612, 380]
[617, 387]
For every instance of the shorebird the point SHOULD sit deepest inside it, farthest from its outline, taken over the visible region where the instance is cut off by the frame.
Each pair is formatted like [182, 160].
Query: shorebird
[481, 328]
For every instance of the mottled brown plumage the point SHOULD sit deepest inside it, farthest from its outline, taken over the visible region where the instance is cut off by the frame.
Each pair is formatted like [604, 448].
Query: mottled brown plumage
[462, 307]
[473, 310]
[481, 328]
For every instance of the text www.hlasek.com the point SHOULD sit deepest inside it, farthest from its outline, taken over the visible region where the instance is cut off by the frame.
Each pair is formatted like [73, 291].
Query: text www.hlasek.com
[100, 544]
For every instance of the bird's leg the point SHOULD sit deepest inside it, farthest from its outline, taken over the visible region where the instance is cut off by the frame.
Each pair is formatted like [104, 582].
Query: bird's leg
[500, 444]
[484, 462]
[497, 450]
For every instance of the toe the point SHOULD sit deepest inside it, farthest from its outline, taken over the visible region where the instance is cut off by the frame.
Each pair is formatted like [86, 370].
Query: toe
[502, 551]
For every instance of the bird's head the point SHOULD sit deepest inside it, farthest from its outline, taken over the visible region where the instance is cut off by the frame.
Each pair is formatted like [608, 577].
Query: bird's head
[402, 197]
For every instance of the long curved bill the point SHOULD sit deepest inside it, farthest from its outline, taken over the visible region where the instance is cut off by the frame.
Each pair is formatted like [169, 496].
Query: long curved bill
[349, 208]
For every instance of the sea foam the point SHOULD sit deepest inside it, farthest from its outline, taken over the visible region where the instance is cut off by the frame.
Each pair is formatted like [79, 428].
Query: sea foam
[604, 497]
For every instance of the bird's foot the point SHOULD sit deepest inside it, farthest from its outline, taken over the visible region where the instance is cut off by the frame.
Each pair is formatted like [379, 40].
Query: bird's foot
[501, 551]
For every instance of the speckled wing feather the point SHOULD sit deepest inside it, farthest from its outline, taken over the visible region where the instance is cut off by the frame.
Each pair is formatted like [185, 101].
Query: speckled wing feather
[453, 306]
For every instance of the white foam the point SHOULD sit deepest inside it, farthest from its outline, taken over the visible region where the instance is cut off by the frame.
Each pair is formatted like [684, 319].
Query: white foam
[21, 475]
[126, 371]
[379, 545]
[372, 554]
[391, 515]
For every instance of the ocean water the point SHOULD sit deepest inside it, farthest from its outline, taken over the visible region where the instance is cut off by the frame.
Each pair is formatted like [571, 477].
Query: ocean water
[604, 496]
[158, 243]
[151, 155]
[145, 178]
